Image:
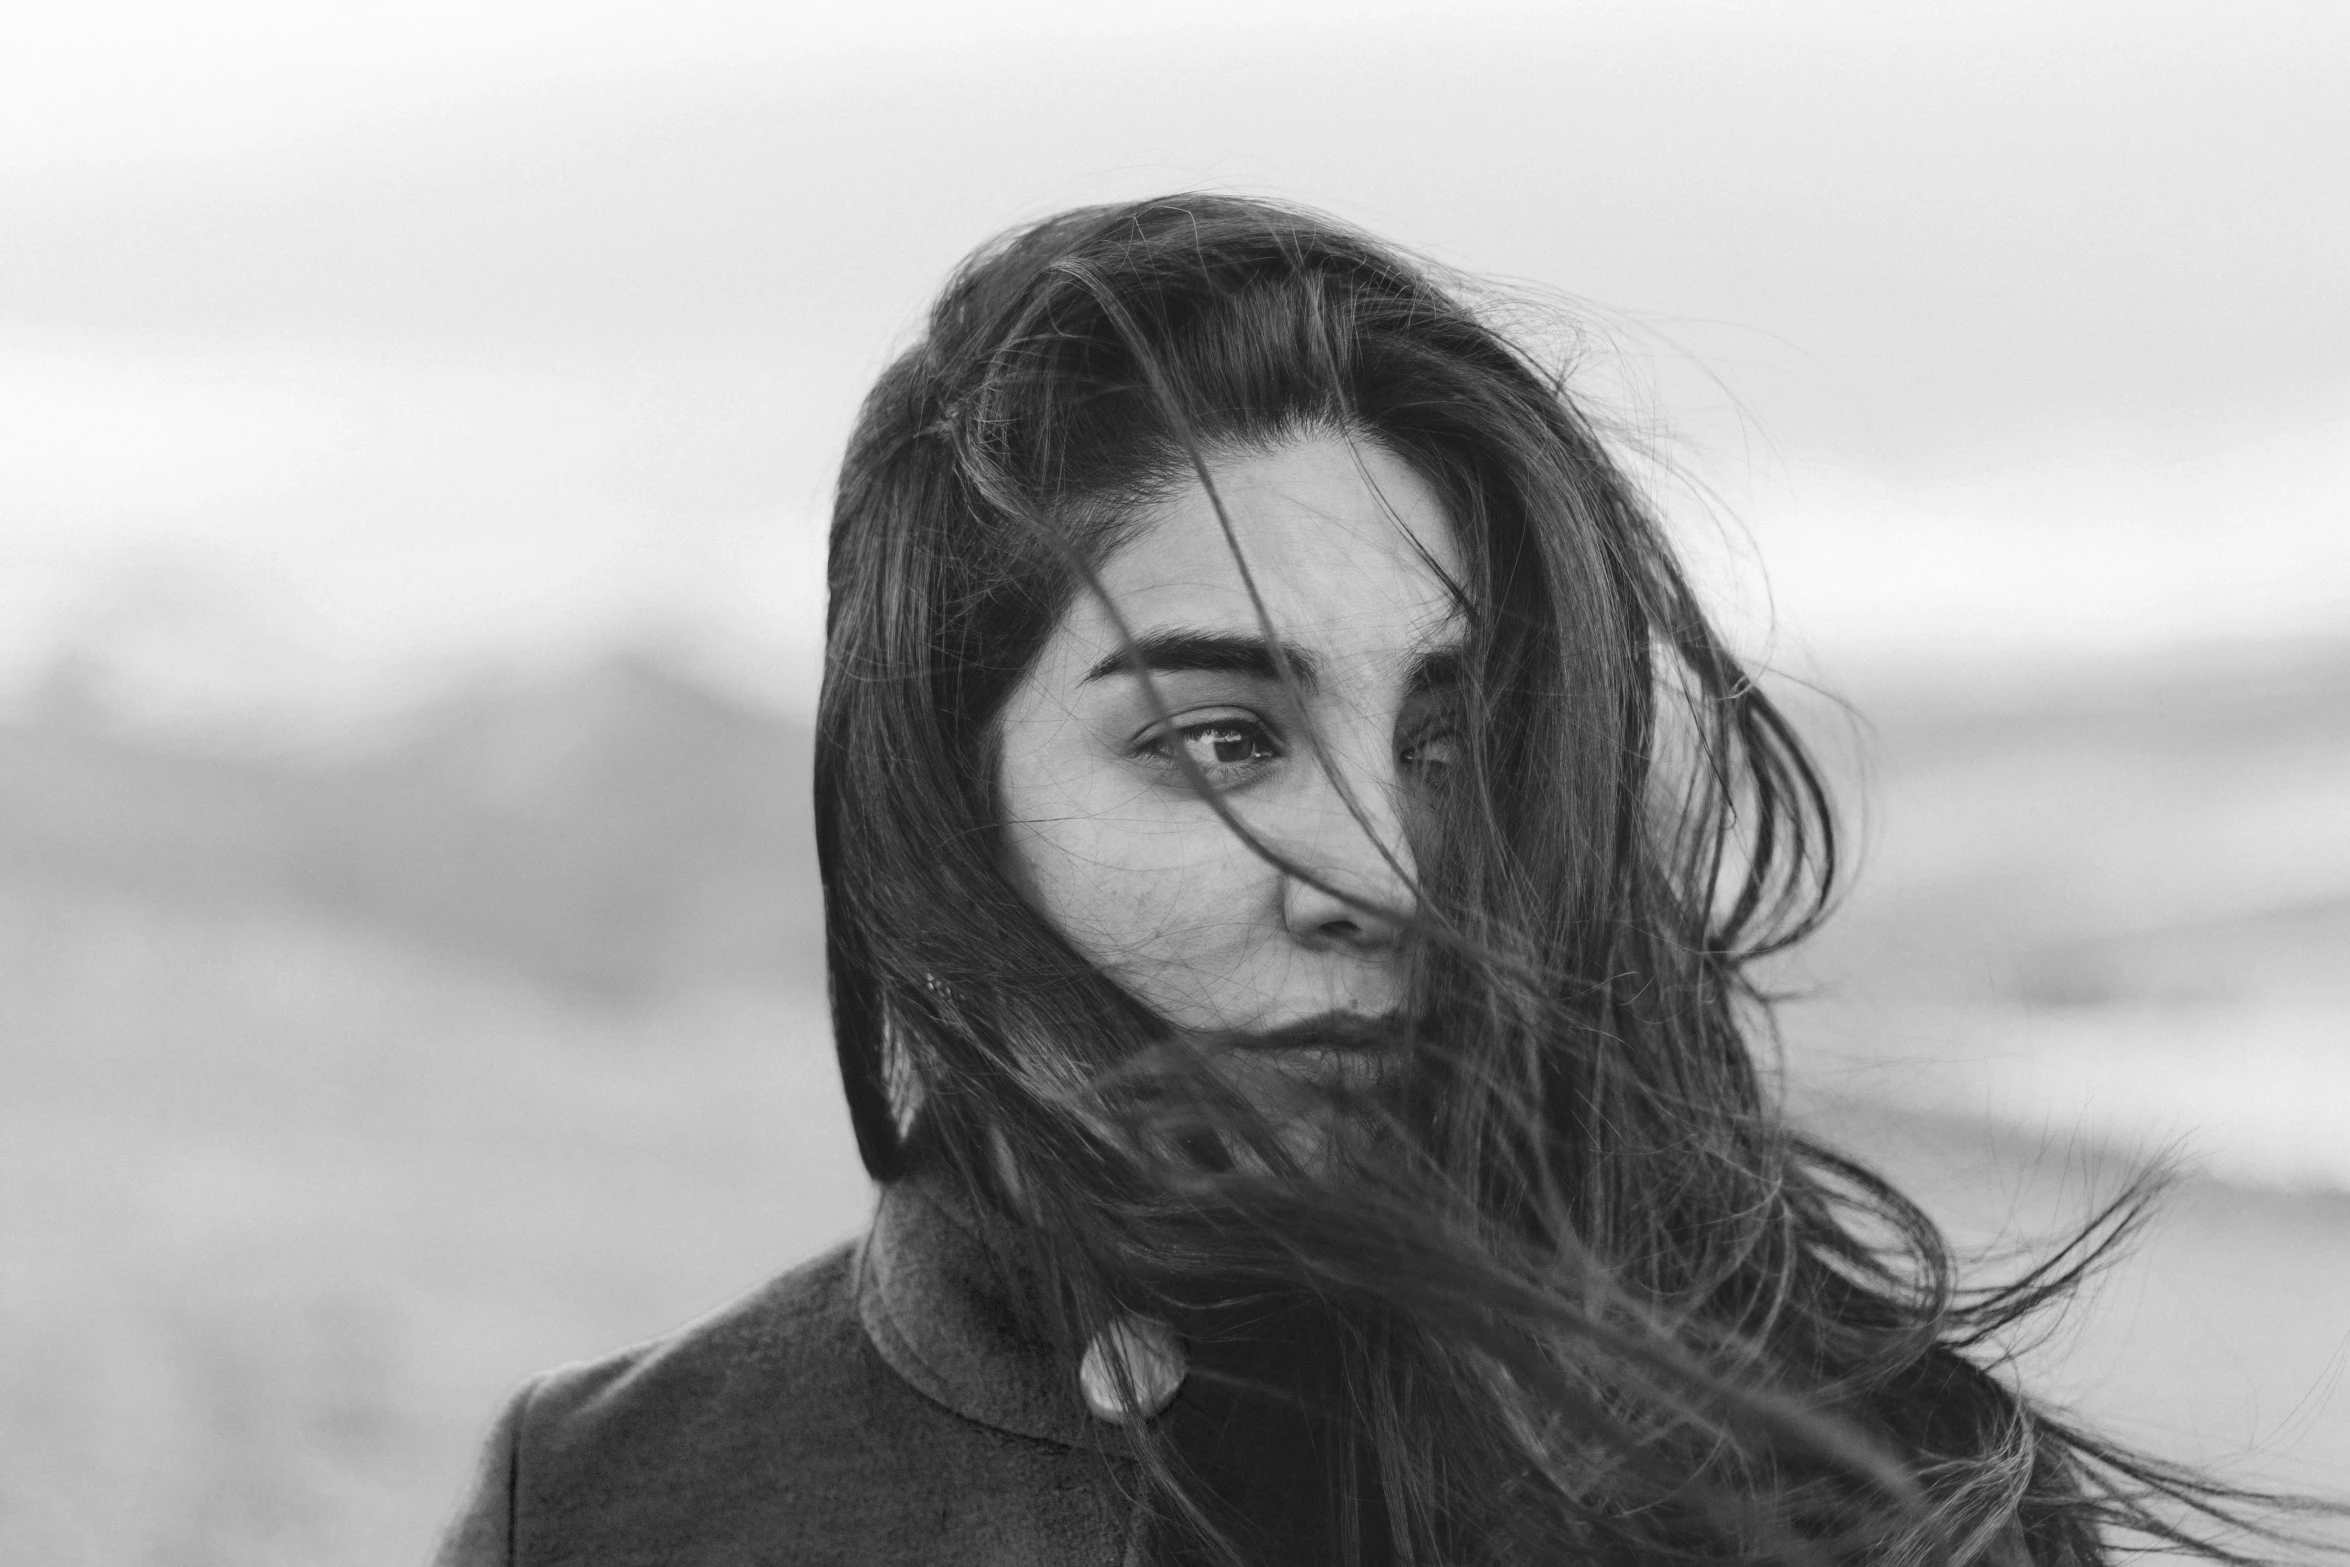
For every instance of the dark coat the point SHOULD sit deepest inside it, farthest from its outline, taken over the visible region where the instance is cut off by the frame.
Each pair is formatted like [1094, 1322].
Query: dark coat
[875, 1406]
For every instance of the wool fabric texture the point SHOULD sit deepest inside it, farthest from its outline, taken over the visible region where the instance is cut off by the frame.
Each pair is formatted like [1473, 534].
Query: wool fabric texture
[878, 1405]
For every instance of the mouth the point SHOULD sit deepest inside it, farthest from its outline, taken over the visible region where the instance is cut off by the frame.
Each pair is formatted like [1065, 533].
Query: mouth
[1339, 1032]
[1307, 1086]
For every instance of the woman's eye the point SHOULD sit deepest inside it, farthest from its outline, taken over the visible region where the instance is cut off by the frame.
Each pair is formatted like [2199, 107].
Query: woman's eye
[1222, 748]
[1433, 750]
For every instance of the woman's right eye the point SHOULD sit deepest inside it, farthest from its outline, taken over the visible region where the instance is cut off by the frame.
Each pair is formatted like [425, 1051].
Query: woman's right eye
[1226, 750]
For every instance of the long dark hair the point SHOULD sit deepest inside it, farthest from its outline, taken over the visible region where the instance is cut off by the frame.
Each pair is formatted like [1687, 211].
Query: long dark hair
[1573, 1285]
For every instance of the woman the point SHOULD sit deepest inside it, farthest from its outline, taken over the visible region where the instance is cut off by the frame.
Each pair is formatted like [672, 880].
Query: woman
[1293, 850]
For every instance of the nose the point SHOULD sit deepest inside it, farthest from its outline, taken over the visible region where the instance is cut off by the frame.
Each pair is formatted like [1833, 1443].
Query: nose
[1357, 894]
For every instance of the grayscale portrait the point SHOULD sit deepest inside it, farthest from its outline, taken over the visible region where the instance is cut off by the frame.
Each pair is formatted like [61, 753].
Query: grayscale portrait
[1243, 785]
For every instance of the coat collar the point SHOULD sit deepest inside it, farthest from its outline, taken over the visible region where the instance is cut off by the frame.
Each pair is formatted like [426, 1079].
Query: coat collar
[936, 1301]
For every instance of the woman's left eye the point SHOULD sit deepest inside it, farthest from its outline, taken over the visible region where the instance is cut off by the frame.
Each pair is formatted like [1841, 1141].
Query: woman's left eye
[1431, 750]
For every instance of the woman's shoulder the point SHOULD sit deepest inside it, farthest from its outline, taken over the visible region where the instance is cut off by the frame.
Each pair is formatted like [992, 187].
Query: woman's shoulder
[632, 1454]
[771, 1429]
[777, 1358]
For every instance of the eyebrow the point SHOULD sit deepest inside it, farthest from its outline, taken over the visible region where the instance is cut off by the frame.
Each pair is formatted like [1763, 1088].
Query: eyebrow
[1177, 652]
[1180, 652]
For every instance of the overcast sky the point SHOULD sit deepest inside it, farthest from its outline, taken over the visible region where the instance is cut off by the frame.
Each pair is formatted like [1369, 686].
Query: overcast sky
[342, 343]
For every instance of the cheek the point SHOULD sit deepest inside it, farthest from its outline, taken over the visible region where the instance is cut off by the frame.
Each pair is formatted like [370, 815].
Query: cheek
[1126, 872]
[1139, 891]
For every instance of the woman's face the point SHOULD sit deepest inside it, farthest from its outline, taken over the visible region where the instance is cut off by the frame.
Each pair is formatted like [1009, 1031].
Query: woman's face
[1117, 847]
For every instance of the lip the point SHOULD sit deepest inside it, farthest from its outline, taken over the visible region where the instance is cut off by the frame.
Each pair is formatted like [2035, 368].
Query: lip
[1344, 1033]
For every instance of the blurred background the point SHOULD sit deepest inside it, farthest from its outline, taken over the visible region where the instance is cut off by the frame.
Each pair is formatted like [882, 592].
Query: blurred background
[416, 426]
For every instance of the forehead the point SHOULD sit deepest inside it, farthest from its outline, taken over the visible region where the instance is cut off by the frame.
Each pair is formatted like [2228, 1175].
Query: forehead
[1348, 547]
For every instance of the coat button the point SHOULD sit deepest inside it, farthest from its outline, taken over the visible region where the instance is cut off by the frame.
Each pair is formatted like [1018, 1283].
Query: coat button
[1153, 1368]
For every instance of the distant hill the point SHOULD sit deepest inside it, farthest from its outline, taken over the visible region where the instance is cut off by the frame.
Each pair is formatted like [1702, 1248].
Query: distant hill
[2144, 828]
[616, 829]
